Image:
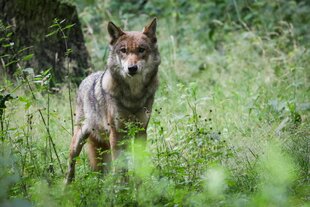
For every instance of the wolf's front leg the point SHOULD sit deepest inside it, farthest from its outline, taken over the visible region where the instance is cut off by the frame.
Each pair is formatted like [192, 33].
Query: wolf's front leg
[77, 142]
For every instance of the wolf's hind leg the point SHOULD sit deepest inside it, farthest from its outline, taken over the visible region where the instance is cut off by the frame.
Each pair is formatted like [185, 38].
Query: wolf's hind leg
[99, 155]
[77, 142]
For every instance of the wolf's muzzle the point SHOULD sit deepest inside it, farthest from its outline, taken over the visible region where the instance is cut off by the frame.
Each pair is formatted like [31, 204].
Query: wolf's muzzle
[132, 69]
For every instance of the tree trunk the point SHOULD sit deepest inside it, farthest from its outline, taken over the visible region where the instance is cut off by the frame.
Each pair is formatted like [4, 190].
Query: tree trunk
[31, 21]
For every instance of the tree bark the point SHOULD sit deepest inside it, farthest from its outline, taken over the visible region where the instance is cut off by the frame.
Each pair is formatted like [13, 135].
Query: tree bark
[31, 21]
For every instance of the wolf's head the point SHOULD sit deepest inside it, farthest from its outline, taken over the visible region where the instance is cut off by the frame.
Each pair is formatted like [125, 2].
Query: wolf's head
[134, 55]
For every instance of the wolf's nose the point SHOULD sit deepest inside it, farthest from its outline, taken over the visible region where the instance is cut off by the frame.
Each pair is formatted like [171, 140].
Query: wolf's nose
[132, 69]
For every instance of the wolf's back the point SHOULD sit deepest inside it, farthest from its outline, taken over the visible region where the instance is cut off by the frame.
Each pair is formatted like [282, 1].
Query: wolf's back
[86, 96]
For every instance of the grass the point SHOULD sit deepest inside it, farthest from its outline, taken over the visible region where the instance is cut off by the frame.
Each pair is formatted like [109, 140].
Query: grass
[230, 127]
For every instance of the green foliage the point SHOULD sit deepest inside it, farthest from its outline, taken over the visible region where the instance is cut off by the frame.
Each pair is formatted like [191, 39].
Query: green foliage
[277, 172]
[196, 141]
[11, 56]
[230, 124]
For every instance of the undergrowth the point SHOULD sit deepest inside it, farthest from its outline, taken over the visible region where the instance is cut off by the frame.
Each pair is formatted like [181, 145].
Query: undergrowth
[229, 127]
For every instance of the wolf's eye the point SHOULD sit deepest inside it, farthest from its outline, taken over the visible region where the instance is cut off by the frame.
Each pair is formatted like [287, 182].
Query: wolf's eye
[141, 50]
[123, 50]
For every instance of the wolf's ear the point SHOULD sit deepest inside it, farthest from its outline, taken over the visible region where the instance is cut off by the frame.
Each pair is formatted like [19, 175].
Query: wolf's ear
[150, 30]
[115, 32]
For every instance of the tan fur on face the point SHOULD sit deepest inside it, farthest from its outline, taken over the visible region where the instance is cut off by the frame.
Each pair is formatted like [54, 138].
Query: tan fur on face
[133, 42]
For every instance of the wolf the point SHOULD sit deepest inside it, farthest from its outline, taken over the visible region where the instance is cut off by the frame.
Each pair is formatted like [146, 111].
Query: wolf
[109, 99]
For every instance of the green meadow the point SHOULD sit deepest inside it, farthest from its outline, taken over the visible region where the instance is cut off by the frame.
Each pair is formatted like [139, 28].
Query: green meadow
[230, 124]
